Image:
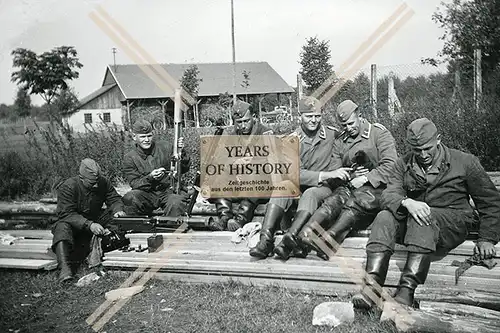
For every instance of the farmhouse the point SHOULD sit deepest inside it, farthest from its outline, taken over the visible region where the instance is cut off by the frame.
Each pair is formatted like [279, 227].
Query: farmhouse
[129, 91]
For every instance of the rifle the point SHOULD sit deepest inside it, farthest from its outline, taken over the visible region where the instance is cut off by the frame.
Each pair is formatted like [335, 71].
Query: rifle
[175, 166]
[154, 224]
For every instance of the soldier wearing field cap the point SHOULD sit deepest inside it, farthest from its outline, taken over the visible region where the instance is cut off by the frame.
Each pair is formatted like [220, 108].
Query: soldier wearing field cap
[316, 143]
[354, 204]
[427, 208]
[80, 214]
[246, 122]
[146, 168]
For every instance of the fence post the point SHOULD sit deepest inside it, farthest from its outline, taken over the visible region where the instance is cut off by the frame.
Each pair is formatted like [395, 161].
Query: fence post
[299, 90]
[373, 91]
[478, 81]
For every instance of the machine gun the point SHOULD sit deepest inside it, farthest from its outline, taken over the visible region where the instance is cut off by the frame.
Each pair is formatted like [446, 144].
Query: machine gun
[154, 224]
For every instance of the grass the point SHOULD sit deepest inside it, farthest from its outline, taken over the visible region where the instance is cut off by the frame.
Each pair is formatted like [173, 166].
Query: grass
[35, 302]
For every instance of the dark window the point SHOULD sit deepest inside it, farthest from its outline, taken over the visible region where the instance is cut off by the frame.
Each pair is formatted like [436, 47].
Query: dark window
[106, 117]
[87, 118]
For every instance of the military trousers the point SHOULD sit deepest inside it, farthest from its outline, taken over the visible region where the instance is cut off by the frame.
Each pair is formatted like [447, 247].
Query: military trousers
[138, 202]
[79, 239]
[310, 199]
[448, 229]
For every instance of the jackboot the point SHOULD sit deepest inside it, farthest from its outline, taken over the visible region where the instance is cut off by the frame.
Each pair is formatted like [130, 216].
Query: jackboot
[224, 212]
[272, 219]
[338, 232]
[243, 216]
[325, 217]
[289, 241]
[415, 273]
[377, 264]
[63, 253]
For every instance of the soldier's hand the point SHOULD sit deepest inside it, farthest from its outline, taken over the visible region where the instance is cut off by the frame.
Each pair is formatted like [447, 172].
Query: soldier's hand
[420, 211]
[158, 173]
[359, 181]
[180, 142]
[97, 229]
[486, 250]
[341, 173]
[119, 214]
[361, 171]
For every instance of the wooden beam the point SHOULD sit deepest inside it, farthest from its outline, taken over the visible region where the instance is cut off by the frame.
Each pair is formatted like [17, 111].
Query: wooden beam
[478, 80]
[373, 91]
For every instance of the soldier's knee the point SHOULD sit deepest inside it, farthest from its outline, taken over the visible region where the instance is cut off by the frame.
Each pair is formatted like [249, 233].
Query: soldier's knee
[131, 197]
[61, 227]
[384, 219]
[364, 199]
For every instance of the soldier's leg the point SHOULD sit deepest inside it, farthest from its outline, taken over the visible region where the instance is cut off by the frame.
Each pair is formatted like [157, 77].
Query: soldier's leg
[173, 204]
[275, 210]
[139, 202]
[308, 204]
[62, 245]
[358, 212]
[448, 229]
[224, 209]
[385, 231]
[324, 216]
[244, 215]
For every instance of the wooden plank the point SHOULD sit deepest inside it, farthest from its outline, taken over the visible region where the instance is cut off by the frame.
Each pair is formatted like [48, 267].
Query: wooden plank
[454, 309]
[34, 234]
[485, 299]
[299, 272]
[28, 263]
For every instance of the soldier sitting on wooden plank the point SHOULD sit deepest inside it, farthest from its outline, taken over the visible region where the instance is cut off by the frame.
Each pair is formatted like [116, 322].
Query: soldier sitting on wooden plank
[80, 215]
[246, 123]
[316, 143]
[146, 168]
[356, 203]
[426, 207]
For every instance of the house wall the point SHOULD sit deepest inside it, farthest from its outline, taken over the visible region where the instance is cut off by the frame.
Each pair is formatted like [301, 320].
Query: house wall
[109, 100]
[77, 119]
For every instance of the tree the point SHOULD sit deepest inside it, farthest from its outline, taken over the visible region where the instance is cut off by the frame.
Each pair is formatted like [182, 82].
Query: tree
[45, 74]
[246, 82]
[314, 59]
[469, 25]
[66, 101]
[190, 82]
[22, 103]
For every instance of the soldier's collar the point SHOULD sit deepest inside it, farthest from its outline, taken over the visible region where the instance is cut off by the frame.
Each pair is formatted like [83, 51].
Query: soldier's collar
[365, 129]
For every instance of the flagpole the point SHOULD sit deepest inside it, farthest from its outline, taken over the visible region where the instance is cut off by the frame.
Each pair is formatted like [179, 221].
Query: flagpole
[234, 52]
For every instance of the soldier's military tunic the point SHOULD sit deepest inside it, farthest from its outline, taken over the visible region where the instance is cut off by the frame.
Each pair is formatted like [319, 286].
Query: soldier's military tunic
[379, 145]
[315, 157]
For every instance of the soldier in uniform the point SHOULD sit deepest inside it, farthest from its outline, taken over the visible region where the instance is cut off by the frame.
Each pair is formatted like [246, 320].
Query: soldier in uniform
[355, 204]
[426, 207]
[246, 122]
[146, 168]
[80, 214]
[316, 143]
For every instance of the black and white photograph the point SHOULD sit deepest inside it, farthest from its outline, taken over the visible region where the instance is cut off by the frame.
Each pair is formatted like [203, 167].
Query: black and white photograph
[250, 166]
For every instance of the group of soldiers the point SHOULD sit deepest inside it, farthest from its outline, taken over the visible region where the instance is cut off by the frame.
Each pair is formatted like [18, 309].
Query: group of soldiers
[350, 178]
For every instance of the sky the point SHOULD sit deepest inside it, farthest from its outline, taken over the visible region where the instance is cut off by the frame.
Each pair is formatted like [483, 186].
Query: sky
[199, 31]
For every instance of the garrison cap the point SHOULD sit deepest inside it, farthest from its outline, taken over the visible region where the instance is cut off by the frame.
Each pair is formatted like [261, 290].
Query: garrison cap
[89, 169]
[309, 104]
[346, 109]
[142, 126]
[420, 132]
[240, 109]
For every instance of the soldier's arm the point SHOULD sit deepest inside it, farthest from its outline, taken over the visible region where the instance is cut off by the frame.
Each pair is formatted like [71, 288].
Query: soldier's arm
[113, 199]
[394, 194]
[335, 161]
[487, 200]
[388, 155]
[67, 208]
[134, 177]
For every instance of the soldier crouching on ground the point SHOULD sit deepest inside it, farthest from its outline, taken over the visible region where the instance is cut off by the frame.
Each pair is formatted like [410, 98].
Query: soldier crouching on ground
[146, 169]
[353, 204]
[426, 207]
[80, 215]
[245, 123]
[316, 142]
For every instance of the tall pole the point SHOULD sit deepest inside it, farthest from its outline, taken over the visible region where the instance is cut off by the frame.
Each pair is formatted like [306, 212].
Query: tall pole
[114, 58]
[234, 52]
[478, 80]
[373, 91]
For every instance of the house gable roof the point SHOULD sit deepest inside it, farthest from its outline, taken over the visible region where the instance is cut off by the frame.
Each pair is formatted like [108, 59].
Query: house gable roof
[216, 79]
